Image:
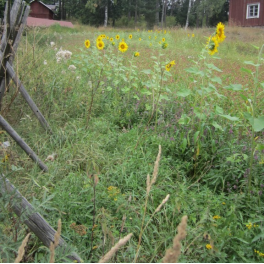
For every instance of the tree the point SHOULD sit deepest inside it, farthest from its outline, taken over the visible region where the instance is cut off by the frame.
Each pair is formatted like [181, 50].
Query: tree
[188, 14]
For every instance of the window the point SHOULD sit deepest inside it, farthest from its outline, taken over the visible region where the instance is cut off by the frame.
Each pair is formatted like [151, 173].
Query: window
[253, 11]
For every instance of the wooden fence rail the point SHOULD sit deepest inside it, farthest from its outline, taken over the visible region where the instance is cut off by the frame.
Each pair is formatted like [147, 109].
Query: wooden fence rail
[35, 222]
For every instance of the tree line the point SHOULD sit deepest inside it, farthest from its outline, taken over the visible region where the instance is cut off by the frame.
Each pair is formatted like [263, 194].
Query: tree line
[134, 13]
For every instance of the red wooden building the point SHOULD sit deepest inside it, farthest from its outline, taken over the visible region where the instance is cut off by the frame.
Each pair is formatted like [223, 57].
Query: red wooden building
[246, 13]
[40, 10]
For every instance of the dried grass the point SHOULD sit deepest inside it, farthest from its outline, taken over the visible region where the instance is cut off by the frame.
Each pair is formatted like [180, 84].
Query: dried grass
[172, 254]
[21, 250]
[115, 248]
[54, 244]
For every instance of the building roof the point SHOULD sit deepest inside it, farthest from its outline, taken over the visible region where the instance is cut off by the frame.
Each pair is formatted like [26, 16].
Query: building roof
[48, 6]
[42, 22]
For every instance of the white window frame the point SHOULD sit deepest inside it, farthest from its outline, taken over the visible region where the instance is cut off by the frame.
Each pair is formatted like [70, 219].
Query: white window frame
[248, 9]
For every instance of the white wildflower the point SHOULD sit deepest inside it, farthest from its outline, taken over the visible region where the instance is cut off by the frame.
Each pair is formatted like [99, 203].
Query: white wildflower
[52, 44]
[63, 55]
[72, 68]
[78, 78]
[45, 62]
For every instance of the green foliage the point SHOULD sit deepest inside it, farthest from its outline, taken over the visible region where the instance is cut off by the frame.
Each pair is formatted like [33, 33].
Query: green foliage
[108, 118]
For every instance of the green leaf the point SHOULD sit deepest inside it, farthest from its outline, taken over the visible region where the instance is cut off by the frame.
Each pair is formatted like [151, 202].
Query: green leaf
[184, 120]
[258, 124]
[164, 97]
[109, 88]
[216, 125]
[219, 110]
[148, 107]
[195, 137]
[213, 67]
[125, 89]
[232, 118]
[216, 79]
[262, 84]
[195, 71]
[251, 63]
[184, 144]
[148, 71]
[184, 93]
[234, 87]
[257, 237]
[145, 91]
[246, 70]
[199, 114]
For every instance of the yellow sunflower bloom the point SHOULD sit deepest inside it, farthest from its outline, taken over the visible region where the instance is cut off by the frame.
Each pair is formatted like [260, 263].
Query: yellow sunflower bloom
[212, 45]
[140, 39]
[169, 65]
[130, 36]
[220, 28]
[99, 39]
[163, 39]
[136, 54]
[123, 46]
[164, 45]
[117, 37]
[107, 37]
[87, 43]
[208, 246]
[111, 39]
[100, 45]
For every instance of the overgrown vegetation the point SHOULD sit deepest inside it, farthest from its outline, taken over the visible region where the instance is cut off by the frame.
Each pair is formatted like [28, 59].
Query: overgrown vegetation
[109, 116]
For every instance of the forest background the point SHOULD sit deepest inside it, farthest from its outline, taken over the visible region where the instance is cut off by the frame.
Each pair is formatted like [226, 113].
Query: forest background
[140, 13]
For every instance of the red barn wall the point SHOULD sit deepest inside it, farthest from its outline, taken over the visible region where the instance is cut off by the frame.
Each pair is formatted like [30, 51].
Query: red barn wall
[40, 11]
[238, 13]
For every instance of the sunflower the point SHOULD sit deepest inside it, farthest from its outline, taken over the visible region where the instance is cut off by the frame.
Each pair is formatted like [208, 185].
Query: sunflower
[100, 45]
[140, 39]
[111, 39]
[169, 65]
[123, 46]
[103, 36]
[220, 32]
[212, 45]
[149, 37]
[113, 43]
[163, 39]
[87, 43]
[164, 45]
[107, 37]
[130, 36]
[117, 37]
[99, 39]
[193, 35]
[136, 54]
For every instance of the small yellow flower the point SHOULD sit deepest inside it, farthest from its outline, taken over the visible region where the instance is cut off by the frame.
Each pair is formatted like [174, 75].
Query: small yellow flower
[130, 36]
[188, 35]
[223, 203]
[107, 37]
[140, 39]
[87, 43]
[208, 246]
[149, 37]
[163, 39]
[136, 54]
[192, 35]
[216, 217]
[95, 247]
[115, 199]
[165, 31]
[113, 43]
[150, 44]
[117, 37]
[169, 65]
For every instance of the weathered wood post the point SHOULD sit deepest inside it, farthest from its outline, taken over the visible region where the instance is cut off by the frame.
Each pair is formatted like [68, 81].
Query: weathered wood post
[35, 222]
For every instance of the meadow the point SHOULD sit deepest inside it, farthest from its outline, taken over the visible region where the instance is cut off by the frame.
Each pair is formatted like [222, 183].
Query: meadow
[144, 133]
